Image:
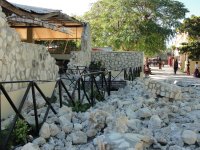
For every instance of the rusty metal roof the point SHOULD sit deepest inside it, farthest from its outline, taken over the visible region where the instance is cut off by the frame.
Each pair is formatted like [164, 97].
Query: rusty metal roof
[33, 9]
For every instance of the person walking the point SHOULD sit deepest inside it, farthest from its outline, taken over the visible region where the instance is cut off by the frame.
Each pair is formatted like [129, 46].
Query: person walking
[160, 63]
[175, 66]
[188, 68]
[196, 71]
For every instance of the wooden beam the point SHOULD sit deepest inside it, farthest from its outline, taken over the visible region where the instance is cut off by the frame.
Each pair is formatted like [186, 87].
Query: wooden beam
[42, 24]
[29, 35]
[37, 26]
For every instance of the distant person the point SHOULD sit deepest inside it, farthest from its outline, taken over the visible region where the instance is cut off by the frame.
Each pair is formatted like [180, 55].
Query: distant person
[170, 61]
[196, 71]
[175, 66]
[188, 68]
[160, 63]
[163, 63]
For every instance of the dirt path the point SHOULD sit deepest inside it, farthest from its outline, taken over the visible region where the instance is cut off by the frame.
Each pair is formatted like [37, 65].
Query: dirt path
[167, 73]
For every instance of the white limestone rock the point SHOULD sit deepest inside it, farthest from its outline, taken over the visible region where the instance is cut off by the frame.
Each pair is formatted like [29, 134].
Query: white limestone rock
[6, 123]
[30, 146]
[120, 141]
[40, 102]
[176, 147]
[121, 124]
[79, 137]
[48, 146]
[97, 119]
[154, 122]
[61, 135]
[67, 127]
[45, 131]
[65, 119]
[149, 101]
[189, 137]
[78, 126]
[54, 130]
[130, 112]
[39, 141]
[198, 138]
[65, 111]
[134, 124]
[144, 113]
[91, 133]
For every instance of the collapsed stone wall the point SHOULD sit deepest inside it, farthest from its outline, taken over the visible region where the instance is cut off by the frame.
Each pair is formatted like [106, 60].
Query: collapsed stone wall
[130, 118]
[83, 57]
[119, 60]
[22, 61]
[163, 89]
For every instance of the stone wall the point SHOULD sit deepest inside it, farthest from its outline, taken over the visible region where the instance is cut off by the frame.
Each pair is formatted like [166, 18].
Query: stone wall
[118, 60]
[80, 58]
[83, 57]
[22, 61]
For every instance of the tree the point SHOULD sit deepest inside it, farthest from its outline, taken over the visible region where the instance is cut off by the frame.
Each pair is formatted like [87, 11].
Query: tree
[192, 27]
[134, 24]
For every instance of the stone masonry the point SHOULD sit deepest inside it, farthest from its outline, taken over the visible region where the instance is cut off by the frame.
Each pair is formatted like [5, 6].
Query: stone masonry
[22, 61]
[164, 89]
[119, 60]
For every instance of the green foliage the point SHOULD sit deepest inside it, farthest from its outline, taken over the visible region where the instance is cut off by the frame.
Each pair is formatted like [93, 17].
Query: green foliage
[98, 95]
[192, 27]
[21, 131]
[79, 107]
[134, 24]
[61, 46]
[96, 65]
[18, 136]
[192, 48]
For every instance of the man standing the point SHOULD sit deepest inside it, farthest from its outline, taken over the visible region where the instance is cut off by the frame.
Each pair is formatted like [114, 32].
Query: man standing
[175, 66]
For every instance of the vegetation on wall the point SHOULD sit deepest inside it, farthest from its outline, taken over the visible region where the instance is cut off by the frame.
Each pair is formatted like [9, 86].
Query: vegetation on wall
[96, 66]
[134, 24]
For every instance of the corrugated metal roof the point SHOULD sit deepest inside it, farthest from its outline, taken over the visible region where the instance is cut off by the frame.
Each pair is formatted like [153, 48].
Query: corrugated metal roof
[38, 10]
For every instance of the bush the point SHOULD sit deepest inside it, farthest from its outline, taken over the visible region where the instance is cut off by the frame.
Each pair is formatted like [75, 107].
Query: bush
[96, 66]
[21, 131]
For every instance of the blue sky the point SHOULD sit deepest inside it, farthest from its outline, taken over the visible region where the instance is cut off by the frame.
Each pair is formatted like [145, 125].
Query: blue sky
[193, 6]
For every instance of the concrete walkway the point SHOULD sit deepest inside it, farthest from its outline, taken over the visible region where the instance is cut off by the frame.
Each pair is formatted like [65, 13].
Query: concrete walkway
[168, 73]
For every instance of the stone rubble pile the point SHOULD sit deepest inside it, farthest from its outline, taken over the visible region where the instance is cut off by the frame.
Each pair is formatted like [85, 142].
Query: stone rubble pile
[133, 118]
